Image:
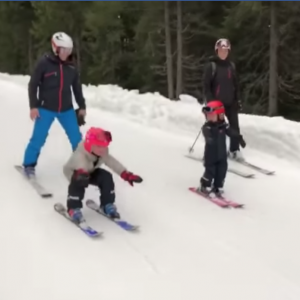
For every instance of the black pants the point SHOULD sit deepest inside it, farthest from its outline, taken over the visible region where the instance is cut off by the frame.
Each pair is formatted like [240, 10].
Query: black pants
[215, 174]
[231, 113]
[100, 178]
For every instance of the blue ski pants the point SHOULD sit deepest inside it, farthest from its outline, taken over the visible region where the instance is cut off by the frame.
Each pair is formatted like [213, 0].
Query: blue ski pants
[67, 120]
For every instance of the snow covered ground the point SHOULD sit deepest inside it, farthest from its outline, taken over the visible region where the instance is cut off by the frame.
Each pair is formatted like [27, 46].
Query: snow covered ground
[187, 248]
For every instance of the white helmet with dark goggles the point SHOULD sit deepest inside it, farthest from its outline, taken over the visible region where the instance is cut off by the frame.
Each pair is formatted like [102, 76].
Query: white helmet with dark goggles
[61, 42]
[222, 43]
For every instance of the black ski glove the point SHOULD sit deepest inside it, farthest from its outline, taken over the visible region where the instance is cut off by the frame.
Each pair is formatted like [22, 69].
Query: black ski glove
[240, 106]
[242, 142]
[80, 118]
[223, 125]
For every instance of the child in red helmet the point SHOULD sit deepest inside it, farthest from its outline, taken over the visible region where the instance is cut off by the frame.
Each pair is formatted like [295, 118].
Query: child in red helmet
[84, 169]
[214, 131]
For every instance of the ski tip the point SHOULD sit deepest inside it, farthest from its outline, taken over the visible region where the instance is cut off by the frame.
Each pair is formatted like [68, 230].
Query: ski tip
[238, 206]
[59, 207]
[270, 173]
[193, 189]
[132, 228]
[251, 176]
[93, 234]
[48, 195]
[89, 202]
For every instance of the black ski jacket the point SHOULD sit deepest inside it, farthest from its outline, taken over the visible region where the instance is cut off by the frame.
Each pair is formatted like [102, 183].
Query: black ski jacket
[51, 82]
[222, 83]
[214, 133]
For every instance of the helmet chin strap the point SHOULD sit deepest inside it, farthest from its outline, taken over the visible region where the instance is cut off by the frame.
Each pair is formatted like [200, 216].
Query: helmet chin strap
[95, 154]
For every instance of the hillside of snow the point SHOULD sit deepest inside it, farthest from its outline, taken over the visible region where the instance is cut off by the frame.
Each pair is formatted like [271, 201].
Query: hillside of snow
[276, 136]
[187, 248]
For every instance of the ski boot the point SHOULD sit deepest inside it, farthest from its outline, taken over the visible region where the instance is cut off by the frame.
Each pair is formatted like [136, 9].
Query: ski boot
[218, 192]
[29, 171]
[111, 211]
[76, 215]
[204, 190]
[204, 187]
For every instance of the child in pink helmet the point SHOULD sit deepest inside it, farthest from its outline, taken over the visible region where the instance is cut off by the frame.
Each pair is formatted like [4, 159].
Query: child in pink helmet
[215, 130]
[84, 169]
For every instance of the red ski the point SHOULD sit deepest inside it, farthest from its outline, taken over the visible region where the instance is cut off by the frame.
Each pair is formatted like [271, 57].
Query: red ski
[220, 201]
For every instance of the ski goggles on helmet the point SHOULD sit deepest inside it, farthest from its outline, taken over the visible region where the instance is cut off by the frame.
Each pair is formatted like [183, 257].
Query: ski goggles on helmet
[214, 110]
[223, 44]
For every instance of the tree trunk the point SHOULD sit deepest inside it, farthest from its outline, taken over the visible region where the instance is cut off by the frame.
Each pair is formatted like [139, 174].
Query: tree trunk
[179, 50]
[78, 58]
[169, 52]
[30, 60]
[273, 89]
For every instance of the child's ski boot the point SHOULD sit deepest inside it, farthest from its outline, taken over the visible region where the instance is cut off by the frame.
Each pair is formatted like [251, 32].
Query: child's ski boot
[76, 215]
[111, 211]
[204, 190]
[204, 187]
[218, 192]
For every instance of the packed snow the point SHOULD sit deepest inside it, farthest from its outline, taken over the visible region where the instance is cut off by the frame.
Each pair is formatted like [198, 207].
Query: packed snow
[187, 247]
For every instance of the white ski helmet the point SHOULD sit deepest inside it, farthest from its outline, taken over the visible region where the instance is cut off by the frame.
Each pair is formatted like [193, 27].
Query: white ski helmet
[223, 43]
[61, 40]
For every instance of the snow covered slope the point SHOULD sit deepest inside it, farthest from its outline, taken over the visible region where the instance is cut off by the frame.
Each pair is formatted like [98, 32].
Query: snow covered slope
[188, 248]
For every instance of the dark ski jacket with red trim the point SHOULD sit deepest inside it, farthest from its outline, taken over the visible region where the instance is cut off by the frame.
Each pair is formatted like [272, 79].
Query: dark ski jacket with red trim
[221, 83]
[51, 82]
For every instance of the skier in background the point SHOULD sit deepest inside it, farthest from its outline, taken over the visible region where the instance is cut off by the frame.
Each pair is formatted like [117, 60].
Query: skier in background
[50, 98]
[220, 82]
[84, 168]
[214, 131]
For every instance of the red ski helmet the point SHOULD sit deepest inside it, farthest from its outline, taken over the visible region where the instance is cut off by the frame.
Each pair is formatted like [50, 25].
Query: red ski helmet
[214, 107]
[98, 137]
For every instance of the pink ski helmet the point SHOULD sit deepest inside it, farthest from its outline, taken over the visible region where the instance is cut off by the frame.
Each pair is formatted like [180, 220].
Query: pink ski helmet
[214, 107]
[98, 137]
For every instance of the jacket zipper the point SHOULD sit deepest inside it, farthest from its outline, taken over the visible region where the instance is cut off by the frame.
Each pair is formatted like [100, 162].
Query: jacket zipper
[229, 73]
[60, 87]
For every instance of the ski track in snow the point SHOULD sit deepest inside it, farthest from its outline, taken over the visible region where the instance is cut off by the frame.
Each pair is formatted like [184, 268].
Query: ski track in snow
[187, 247]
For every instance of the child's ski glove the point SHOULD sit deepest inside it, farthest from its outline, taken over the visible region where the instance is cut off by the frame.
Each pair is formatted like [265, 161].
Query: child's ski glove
[131, 178]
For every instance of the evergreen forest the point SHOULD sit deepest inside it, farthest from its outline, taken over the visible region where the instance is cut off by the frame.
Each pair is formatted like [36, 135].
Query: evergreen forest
[162, 46]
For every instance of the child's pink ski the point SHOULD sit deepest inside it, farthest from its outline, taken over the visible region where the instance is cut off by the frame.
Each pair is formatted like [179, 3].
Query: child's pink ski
[214, 200]
[231, 203]
[220, 201]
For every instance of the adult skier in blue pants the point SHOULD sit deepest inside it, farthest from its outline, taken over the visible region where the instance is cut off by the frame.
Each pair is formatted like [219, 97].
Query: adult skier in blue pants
[53, 78]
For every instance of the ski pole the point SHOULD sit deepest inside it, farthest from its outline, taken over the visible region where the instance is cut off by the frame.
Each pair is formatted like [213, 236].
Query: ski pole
[191, 149]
